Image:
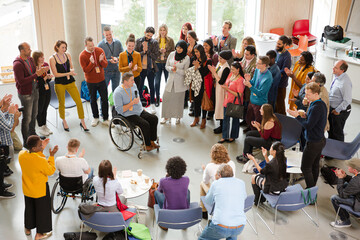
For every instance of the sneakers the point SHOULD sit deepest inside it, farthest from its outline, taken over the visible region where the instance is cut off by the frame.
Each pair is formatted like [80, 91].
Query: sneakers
[94, 122]
[43, 131]
[106, 123]
[242, 159]
[341, 224]
[7, 194]
[152, 109]
[177, 121]
[48, 129]
[164, 120]
[7, 186]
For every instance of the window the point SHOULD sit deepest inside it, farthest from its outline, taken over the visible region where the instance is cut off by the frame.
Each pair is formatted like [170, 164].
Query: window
[125, 17]
[175, 13]
[320, 18]
[16, 26]
[233, 10]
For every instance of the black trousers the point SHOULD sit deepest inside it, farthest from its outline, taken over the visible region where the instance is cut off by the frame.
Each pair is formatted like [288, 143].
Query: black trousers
[138, 82]
[254, 139]
[43, 104]
[310, 161]
[197, 103]
[100, 87]
[38, 213]
[4, 153]
[337, 123]
[148, 125]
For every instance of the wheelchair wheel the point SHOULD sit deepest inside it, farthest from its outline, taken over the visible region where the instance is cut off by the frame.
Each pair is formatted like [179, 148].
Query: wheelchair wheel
[88, 191]
[121, 134]
[58, 198]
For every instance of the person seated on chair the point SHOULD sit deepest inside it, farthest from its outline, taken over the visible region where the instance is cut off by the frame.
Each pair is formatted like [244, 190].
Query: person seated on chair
[71, 165]
[271, 178]
[127, 104]
[219, 155]
[265, 134]
[173, 192]
[106, 186]
[228, 194]
[348, 192]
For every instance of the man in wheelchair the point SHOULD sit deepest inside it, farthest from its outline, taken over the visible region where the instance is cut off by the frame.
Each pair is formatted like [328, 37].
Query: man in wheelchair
[127, 104]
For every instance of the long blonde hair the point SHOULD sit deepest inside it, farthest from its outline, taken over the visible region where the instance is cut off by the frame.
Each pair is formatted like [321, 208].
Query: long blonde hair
[250, 41]
[166, 29]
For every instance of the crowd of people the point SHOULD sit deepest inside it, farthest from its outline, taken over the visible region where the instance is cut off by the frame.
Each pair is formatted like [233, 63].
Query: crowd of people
[212, 76]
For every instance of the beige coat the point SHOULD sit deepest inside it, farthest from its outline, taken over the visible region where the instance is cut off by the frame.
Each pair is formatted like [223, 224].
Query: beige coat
[220, 94]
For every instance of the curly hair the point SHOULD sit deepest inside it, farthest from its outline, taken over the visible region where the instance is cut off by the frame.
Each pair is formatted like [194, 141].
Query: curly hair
[219, 154]
[176, 167]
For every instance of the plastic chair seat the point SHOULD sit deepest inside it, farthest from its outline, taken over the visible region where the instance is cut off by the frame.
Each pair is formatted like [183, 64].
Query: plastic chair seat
[341, 150]
[350, 210]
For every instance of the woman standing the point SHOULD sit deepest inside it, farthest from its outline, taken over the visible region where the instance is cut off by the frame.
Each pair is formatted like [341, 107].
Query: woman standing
[166, 46]
[174, 93]
[272, 178]
[247, 41]
[130, 60]
[35, 170]
[220, 73]
[234, 87]
[184, 31]
[107, 186]
[63, 70]
[44, 93]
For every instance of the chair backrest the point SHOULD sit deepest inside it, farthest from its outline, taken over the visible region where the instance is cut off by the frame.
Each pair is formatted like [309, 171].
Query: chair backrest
[278, 31]
[54, 102]
[291, 130]
[180, 219]
[295, 200]
[71, 184]
[301, 27]
[303, 43]
[249, 201]
[354, 146]
[105, 221]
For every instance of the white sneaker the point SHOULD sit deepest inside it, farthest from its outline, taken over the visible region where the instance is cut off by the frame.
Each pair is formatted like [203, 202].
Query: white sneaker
[42, 131]
[48, 129]
[163, 120]
[177, 121]
[106, 123]
[94, 122]
[152, 109]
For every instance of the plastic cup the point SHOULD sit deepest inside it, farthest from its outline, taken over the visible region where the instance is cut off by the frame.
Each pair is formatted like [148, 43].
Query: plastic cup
[139, 172]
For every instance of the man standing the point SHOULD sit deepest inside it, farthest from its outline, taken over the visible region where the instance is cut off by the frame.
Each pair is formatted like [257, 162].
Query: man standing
[283, 61]
[228, 194]
[112, 48]
[340, 100]
[313, 122]
[25, 73]
[225, 41]
[93, 62]
[276, 74]
[149, 51]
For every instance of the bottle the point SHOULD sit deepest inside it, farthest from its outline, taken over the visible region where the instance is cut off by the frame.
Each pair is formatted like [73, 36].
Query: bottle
[297, 147]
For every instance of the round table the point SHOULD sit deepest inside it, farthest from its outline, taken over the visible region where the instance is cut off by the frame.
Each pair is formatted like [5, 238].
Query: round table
[265, 42]
[124, 177]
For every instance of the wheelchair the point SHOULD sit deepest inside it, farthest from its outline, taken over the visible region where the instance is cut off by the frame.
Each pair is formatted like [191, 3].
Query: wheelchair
[124, 134]
[72, 187]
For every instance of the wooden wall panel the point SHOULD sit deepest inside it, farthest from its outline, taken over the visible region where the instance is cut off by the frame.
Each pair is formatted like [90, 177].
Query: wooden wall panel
[342, 12]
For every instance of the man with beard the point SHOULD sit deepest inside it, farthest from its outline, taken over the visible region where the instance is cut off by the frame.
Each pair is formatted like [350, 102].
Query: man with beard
[283, 61]
[149, 51]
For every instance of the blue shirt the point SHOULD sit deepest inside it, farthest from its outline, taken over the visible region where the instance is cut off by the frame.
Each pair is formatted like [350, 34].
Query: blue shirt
[275, 72]
[261, 83]
[283, 61]
[340, 95]
[122, 97]
[111, 50]
[228, 195]
[6, 124]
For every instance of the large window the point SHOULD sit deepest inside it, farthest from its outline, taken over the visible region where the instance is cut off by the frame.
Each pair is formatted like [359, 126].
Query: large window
[16, 26]
[125, 17]
[175, 13]
[233, 10]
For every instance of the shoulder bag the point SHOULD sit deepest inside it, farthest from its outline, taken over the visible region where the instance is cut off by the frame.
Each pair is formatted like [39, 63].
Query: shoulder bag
[235, 110]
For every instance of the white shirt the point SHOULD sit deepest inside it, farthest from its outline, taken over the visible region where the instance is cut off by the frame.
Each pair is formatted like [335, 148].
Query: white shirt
[112, 187]
[72, 166]
[211, 169]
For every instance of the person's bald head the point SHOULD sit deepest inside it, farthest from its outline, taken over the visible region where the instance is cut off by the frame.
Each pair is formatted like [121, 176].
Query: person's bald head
[340, 67]
[24, 49]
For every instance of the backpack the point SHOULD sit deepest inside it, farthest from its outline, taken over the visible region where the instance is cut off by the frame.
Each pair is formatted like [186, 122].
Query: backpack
[328, 173]
[84, 93]
[76, 236]
[119, 235]
[335, 33]
[145, 100]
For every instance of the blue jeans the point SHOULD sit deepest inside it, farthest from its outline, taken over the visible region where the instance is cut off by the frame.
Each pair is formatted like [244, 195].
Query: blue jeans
[235, 125]
[114, 76]
[160, 198]
[161, 69]
[150, 74]
[336, 200]
[213, 231]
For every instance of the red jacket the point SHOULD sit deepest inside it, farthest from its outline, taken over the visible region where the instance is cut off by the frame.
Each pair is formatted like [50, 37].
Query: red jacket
[89, 68]
[23, 77]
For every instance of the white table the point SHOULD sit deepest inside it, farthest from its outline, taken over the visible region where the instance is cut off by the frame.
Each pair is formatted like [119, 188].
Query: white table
[293, 163]
[140, 188]
[265, 42]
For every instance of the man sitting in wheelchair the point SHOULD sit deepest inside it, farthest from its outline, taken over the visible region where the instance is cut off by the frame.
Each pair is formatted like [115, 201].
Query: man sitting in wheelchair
[127, 104]
[71, 165]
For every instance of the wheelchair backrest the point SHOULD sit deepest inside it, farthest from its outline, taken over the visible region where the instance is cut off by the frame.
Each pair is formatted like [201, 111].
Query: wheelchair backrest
[71, 184]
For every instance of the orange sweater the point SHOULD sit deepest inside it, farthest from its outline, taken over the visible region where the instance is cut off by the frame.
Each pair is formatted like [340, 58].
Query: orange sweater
[35, 171]
[89, 68]
[124, 64]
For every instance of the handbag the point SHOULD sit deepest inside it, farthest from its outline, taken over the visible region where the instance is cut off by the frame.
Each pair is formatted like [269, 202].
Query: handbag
[76, 236]
[151, 198]
[335, 33]
[235, 110]
[206, 103]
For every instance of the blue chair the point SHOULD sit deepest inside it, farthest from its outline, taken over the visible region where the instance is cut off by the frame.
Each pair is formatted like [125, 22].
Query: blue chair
[249, 202]
[106, 221]
[347, 208]
[291, 130]
[341, 150]
[293, 199]
[177, 219]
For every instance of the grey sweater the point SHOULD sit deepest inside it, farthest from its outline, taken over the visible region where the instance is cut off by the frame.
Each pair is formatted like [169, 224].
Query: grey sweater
[351, 189]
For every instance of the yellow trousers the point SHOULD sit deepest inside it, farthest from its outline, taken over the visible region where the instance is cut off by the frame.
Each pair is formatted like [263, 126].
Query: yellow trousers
[75, 95]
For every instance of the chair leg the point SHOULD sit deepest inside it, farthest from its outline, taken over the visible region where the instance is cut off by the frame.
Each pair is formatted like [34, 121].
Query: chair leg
[125, 233]
[255, 229]
[261, 217]
[81, 228]
[336, 217]
[275, 219]
[310, 217]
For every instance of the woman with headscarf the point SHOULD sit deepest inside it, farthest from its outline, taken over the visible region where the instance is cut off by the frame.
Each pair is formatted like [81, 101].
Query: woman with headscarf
[174, 93]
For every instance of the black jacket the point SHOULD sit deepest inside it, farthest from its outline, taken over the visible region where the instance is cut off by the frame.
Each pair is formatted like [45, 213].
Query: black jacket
[153, 51]
[350, 189]
[273, 182]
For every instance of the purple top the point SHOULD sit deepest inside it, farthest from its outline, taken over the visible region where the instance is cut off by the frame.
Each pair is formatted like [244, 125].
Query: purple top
[175, 192]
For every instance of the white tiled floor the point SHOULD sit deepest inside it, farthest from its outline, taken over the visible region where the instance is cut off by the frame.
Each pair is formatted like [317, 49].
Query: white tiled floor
[195, 150]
